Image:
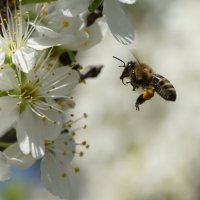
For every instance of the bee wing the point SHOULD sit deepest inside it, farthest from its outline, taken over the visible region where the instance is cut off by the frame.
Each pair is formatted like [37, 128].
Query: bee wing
[139, 69]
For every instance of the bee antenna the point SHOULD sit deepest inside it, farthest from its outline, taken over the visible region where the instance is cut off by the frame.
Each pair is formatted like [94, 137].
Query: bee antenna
[120, 60]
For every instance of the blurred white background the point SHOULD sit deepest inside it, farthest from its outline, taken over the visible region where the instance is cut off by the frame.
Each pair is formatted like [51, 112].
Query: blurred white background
[152, 154]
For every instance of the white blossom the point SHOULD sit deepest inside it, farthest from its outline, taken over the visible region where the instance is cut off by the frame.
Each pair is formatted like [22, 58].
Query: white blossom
[15, 39]
[71, 8]
[119, 24]
[29, 103]
[57, 170]
[70, 32]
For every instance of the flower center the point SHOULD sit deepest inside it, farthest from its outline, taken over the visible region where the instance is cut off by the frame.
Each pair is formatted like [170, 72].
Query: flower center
[28, 94]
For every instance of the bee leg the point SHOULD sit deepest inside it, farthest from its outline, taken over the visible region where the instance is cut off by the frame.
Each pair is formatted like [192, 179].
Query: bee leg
[135, 87]
[139, 101]
[148, 94]
[123, 81]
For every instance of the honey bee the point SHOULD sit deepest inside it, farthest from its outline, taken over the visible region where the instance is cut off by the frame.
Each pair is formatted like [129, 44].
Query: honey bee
[142, 76]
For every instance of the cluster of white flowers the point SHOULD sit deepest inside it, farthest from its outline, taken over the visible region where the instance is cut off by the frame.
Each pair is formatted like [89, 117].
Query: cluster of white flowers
[35, 86]
[116, 19]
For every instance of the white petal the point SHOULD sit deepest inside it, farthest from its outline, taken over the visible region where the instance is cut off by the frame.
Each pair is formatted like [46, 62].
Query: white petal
[71, 8]
[17, 158]
[56, 177]
[118, 23]
[49, 130]
[44, 38]
[7, 79]
[127, 1]
[25, 58]
[96, 33]
[33, 130]
[4, 168]
[8, 112]
[65, 145]
[40, 43]
[43, 30]
[74, 42]
[62, 81]
[29, 135]
[2, 57]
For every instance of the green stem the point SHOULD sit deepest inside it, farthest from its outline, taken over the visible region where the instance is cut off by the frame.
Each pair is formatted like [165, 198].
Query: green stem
[4, 145]
[36, 1]
[94, 5]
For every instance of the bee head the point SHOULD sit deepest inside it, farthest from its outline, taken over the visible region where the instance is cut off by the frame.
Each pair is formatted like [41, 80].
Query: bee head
[128, 69]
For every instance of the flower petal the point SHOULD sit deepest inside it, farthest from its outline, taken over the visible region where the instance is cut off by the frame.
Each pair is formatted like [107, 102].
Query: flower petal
[9, 113]
[17, 158]
[42, 42]
[71, 8]
[96, 33]
[7, 79]
[33, 130]
[4, 168]
[2, 57]
[29, 135]
[56, 177]
[118, 23]
[45, 38]
[25, 58]
[127, 1]
[61, 82]
[66, 145]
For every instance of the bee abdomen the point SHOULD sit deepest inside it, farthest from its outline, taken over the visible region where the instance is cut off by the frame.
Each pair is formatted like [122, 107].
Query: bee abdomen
[163, 87]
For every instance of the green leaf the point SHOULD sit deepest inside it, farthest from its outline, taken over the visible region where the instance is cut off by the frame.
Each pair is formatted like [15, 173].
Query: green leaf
[94, 5]
[36, 1]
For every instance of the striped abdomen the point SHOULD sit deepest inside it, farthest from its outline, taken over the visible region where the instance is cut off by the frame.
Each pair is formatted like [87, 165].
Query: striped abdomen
[163, 87]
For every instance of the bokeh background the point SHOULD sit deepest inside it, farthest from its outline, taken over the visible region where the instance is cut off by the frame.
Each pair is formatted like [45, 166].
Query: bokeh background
[152, 154]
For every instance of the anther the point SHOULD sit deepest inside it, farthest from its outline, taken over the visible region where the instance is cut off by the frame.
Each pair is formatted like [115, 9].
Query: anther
[87, 146]
[64, 153]
[85, 115]
[64, 174]
[65, 23]
[73, 134]
[19, 103]
[81, 154]
[45, 13]
[76, 169]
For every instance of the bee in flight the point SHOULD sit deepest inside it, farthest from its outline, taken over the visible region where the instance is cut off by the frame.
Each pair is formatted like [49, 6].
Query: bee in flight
[142, 76]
